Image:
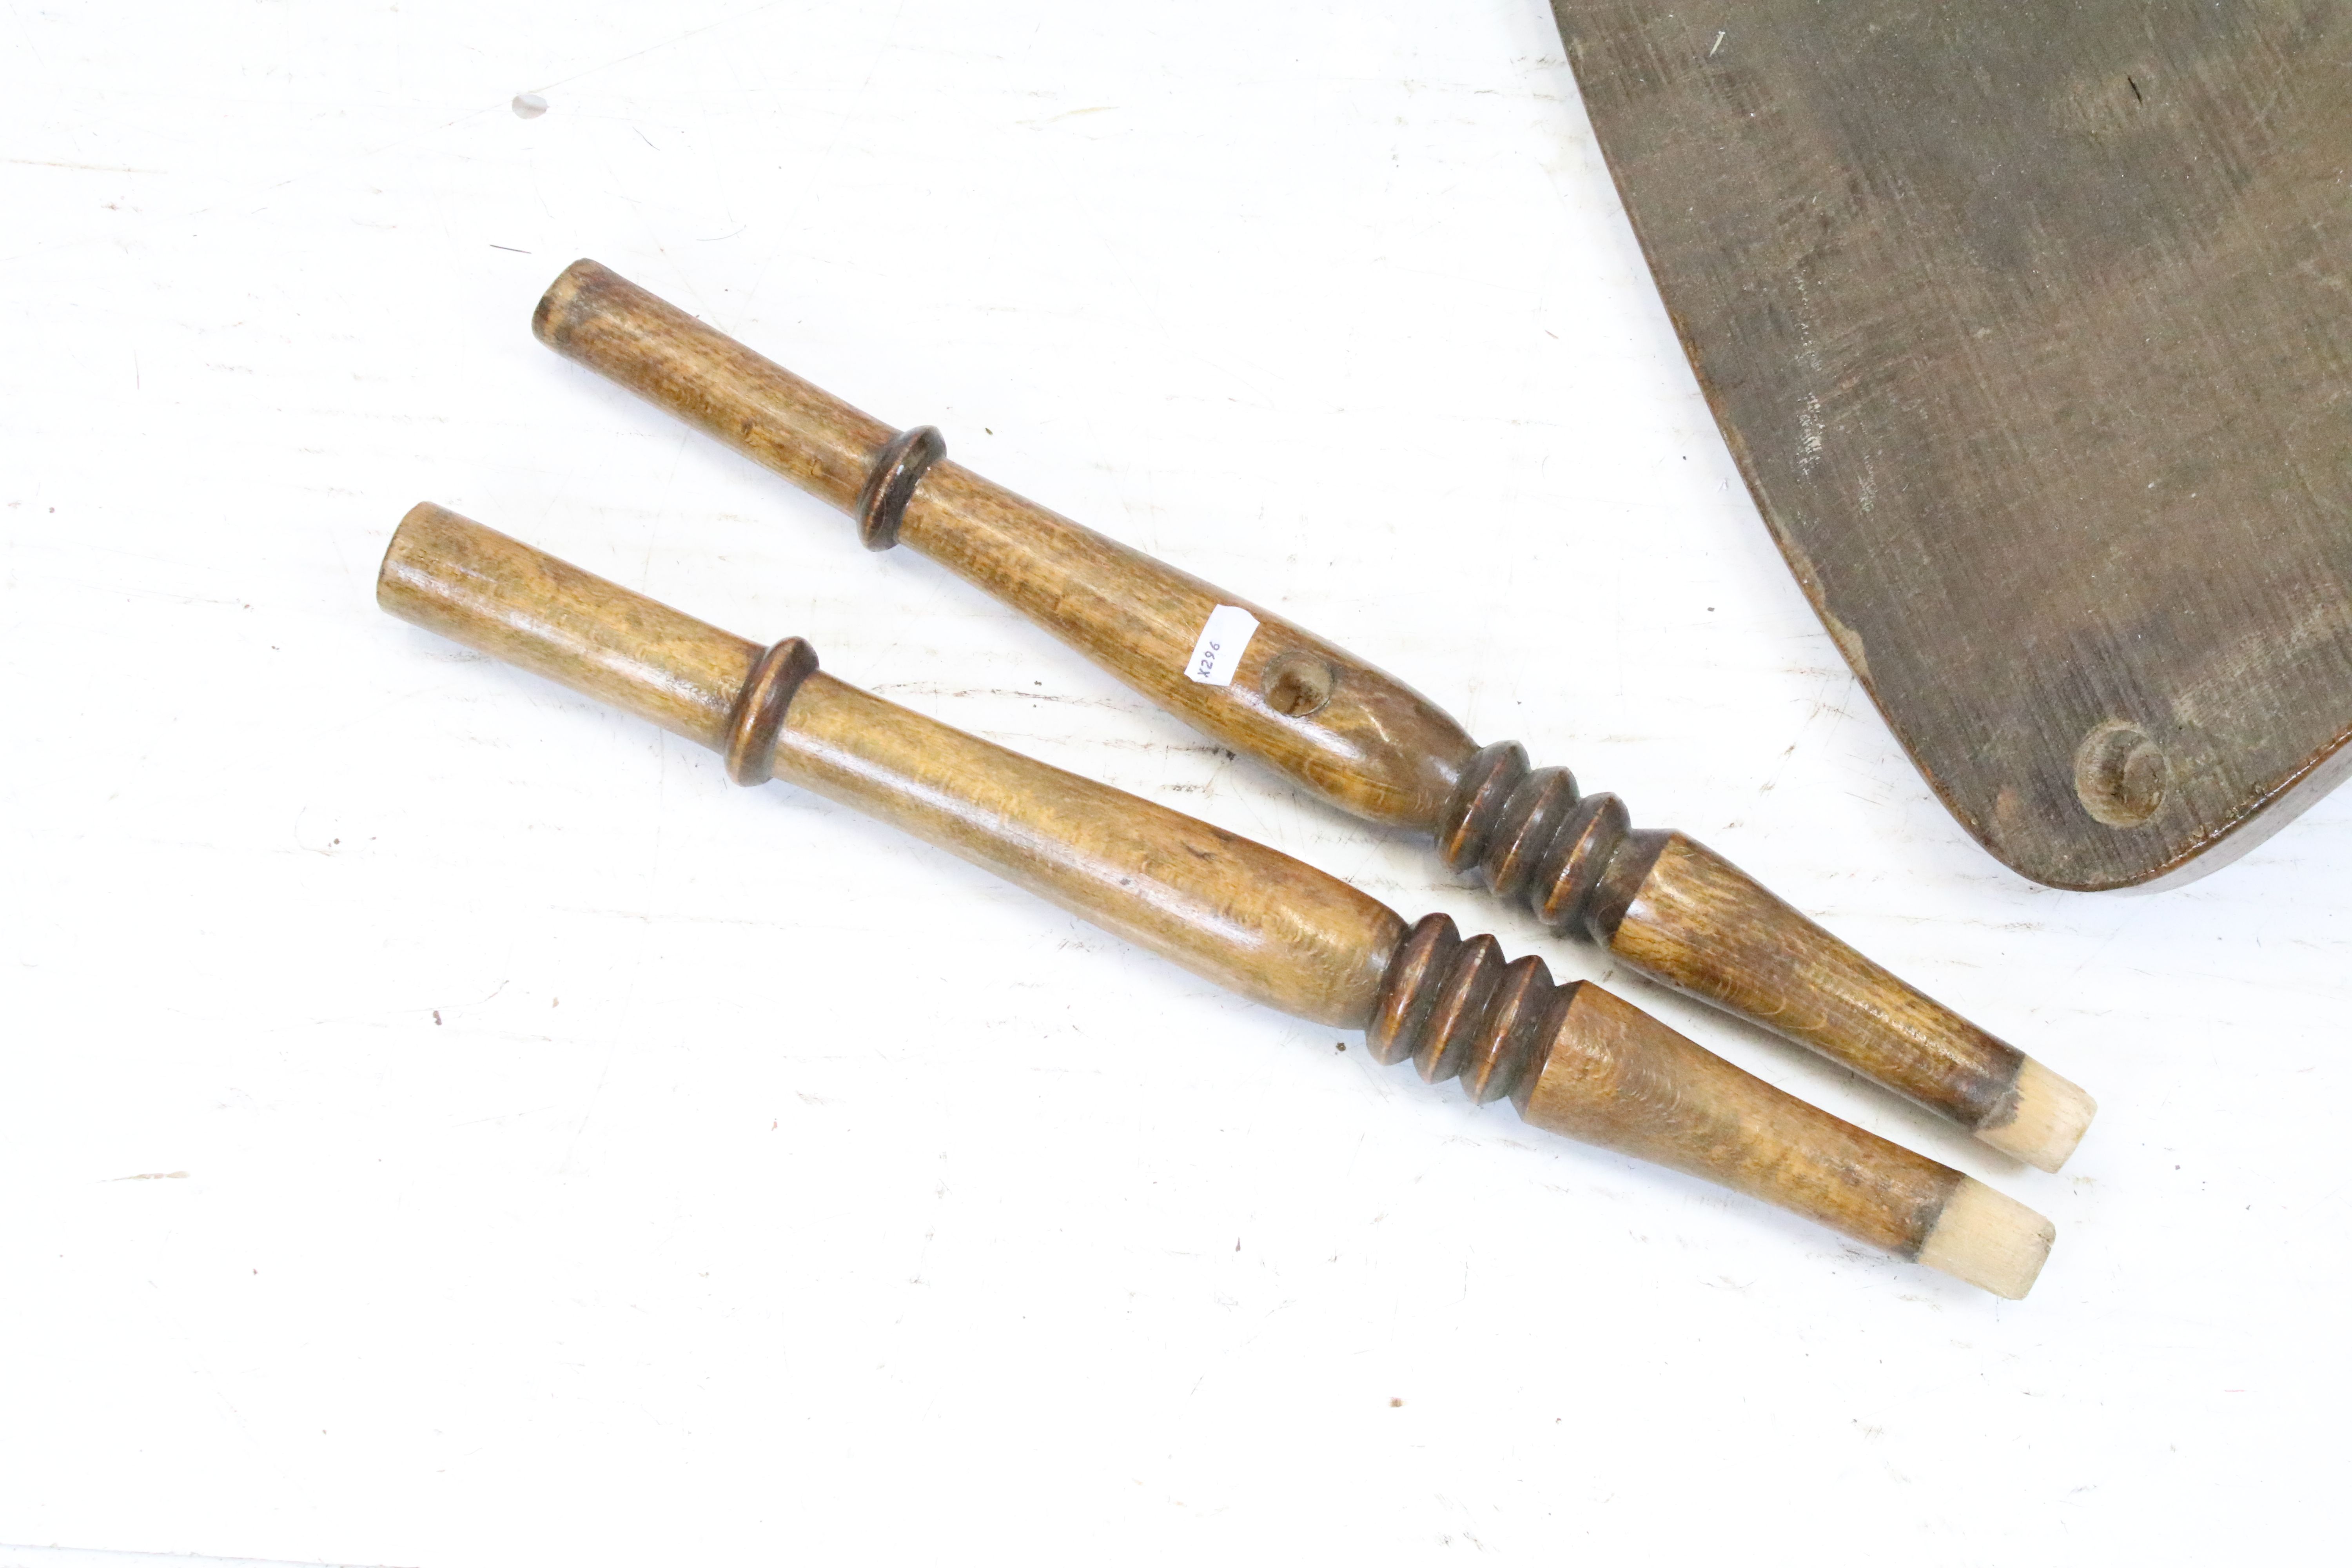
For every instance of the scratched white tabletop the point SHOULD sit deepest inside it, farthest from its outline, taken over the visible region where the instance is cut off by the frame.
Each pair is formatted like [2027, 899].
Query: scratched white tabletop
[443, 1122]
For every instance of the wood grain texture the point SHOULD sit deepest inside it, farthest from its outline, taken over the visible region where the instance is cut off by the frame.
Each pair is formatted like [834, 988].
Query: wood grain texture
[496, 595]
[1702, 920]
[1616, 1076]
[1352, 734]
[707, 378]
[1583, 1062]
[1680, 913]
[1340, 726]
[2028, 327]
[1249, 918]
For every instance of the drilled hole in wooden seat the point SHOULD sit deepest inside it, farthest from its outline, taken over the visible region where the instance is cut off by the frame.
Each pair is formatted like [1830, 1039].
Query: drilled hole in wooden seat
[2119, 774]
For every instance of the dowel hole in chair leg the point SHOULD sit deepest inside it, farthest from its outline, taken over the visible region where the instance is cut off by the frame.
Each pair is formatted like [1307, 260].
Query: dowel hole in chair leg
[1297, 684]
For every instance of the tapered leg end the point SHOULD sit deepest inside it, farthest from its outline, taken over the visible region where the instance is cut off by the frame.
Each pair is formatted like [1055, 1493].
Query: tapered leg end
[1990, 1241]
[2051, 1116]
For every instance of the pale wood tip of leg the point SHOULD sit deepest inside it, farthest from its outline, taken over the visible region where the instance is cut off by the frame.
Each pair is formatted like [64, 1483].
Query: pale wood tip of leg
[1989, 1240]
[2051, 1116]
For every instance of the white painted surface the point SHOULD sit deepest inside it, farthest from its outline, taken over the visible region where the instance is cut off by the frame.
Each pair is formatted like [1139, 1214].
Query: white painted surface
[83, 1557]
[442, 1122]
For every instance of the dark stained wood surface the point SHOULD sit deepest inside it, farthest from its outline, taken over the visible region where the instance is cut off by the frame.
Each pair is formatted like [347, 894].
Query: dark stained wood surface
[2030, 327]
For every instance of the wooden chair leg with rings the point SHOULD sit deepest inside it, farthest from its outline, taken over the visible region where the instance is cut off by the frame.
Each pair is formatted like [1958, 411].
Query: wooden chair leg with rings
[1659, 901]
[1574, 1058]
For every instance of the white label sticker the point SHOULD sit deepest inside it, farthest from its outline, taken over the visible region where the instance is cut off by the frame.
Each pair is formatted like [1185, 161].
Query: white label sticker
[1223, 642]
